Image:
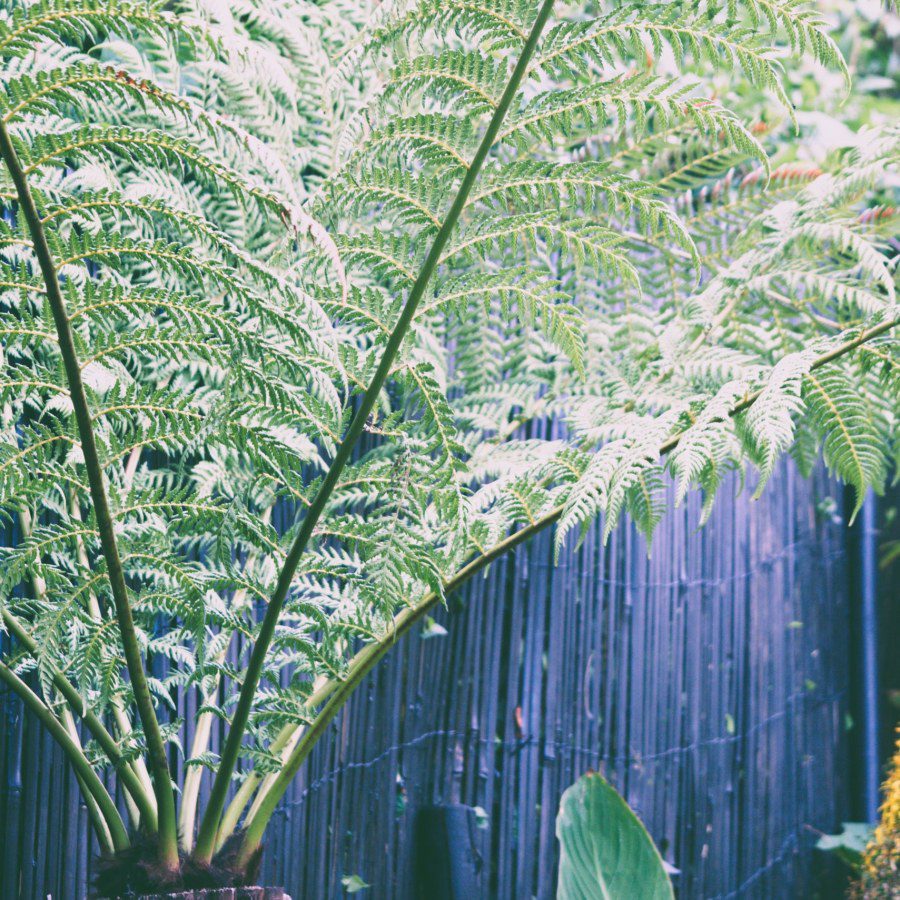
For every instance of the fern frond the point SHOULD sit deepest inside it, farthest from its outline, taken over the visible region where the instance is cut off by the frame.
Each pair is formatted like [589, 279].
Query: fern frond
[853, 447]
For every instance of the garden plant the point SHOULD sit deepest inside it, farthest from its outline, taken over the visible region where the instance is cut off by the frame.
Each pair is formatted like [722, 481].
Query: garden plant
[284, 286]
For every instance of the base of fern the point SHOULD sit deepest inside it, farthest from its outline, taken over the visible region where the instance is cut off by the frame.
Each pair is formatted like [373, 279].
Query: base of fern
[231, 893]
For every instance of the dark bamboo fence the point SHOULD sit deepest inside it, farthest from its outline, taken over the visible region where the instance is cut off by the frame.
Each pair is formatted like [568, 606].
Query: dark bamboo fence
[711, 683]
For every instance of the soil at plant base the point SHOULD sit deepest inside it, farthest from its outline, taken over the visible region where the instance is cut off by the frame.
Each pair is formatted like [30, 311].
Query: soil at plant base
[135, 874]
[231, 893]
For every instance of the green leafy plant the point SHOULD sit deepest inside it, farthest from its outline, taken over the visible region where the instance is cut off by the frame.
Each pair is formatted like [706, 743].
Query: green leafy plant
[283, 287]
[850, 845]
[605, 851]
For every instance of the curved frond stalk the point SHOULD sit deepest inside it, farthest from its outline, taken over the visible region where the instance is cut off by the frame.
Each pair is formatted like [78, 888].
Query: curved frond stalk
[95, 817]
[255, 787]
[190, 791]
[82, 767]
[165, 800]
[146, 805]
[335, 693]
[76, 702]
[206, 838]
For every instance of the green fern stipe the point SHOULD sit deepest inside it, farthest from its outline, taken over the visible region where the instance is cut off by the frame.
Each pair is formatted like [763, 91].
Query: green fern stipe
[209, 825]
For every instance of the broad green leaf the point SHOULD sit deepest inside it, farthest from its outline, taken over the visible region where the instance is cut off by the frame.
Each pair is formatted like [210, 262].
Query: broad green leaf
[606, 853]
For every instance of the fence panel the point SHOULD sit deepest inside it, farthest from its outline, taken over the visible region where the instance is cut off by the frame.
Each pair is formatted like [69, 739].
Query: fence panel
[708, 682]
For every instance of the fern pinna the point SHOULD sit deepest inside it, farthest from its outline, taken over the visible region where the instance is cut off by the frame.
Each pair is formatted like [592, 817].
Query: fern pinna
[284, 286]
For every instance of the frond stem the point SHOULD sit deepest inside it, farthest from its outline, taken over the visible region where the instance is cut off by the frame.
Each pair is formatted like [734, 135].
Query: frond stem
[76, 702]
[190, 791]
[206, 838]
[78, 760]
[162, 782]
[101, 829]
[336, 693]
[120, 716]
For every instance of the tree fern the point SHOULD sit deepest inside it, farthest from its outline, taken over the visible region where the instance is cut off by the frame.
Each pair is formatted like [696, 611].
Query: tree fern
[337, 261]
